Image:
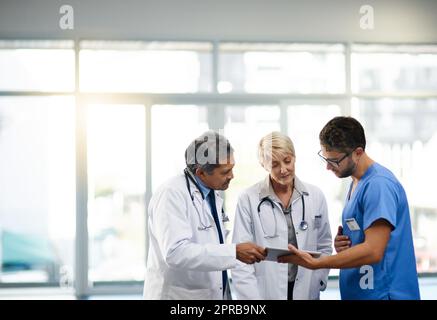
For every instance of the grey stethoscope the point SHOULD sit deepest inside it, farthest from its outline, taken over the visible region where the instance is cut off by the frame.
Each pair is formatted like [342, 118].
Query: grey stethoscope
[303, 225]
[203, 226]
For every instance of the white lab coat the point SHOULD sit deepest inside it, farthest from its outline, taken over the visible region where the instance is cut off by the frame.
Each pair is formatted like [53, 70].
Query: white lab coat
[183, 261]
[268, 280]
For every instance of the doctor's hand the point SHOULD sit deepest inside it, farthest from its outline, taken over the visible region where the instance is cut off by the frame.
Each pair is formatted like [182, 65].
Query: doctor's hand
[300, 258]
[250, 253]
[341, 242]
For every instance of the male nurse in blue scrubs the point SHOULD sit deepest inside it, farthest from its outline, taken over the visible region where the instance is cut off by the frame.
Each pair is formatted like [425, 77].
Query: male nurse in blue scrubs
[374, 246]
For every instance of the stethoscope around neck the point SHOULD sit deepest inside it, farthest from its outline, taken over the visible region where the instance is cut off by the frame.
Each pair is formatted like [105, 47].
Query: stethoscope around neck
[303, 225]
[203, 226]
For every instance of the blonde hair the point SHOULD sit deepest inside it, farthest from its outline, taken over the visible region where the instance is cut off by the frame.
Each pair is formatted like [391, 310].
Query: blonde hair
[273, 146]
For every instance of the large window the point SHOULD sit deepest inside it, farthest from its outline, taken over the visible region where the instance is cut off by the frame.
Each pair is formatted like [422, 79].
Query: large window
[387, 69]
[36, 66]
[173, 128]
[116, 189]
[108, 66]
[244, 127]
[402, 135]
[86, 156]
[304, 124]
[281, 68]
[401, 132]
[37, 187]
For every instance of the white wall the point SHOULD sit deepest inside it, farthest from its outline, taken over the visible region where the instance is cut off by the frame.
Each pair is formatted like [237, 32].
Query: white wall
[287, 20]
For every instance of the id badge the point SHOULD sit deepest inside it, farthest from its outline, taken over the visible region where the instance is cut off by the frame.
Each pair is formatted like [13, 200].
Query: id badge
[352, 224]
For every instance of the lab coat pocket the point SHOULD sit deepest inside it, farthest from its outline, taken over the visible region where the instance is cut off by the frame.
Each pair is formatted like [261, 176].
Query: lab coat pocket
[180, 293]
[317, 219]
[316, 285]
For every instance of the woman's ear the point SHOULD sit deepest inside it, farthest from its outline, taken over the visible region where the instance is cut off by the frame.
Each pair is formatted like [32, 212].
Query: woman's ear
[262, 165]
[265, 165]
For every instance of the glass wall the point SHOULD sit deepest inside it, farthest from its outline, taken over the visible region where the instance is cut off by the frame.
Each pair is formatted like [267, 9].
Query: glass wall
[37, 163]
[112, 66]
[173, 128]
[401, 132]
[37, 187]
[304, 125]
[116, 190]
[281, 68]
[388, 69]
[36, 66]
[244, 127]
[145, 101]
[402, 135]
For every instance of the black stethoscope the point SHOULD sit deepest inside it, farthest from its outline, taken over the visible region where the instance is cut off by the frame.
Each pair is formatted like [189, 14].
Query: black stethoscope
[303, 225]
[203, 226]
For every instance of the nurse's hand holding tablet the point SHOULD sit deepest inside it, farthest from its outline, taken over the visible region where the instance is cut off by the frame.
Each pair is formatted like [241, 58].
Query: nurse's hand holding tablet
[307, 259]
[274, 253]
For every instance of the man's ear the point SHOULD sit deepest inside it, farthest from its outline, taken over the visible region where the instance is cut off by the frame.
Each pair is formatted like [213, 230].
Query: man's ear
[359, 151]
[199, 172]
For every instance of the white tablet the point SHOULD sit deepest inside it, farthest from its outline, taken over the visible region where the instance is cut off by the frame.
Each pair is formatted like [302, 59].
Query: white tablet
[274, 253]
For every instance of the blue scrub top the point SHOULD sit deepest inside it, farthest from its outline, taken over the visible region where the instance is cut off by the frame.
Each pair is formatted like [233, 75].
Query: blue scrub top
[379, 195]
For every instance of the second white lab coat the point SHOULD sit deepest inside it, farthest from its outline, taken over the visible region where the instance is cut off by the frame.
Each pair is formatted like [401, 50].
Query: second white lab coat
[269, 280]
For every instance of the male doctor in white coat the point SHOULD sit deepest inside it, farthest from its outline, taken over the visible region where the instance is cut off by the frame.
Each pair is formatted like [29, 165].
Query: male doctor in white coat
[279, 210]
[188, 257]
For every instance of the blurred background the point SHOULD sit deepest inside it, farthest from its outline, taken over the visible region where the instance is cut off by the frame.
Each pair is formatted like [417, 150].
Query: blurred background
[94, 119]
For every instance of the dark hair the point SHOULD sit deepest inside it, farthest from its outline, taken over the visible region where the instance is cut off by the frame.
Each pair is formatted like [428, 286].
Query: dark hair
[343, 134]
[206, 152]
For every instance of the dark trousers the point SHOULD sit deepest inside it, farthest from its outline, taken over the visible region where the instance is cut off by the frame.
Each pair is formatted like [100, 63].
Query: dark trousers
[290, 290]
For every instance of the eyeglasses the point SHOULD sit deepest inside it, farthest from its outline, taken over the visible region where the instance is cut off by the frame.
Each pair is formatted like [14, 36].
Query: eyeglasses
[333, 162]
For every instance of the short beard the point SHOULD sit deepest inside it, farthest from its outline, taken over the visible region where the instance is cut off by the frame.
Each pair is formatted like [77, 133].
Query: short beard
[347, 172]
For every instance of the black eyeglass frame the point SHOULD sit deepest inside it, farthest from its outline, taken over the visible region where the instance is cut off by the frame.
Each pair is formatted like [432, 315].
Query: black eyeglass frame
[334, 162]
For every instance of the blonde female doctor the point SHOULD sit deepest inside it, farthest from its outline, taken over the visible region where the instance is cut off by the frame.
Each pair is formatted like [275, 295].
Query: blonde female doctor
[278, 210]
